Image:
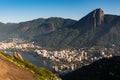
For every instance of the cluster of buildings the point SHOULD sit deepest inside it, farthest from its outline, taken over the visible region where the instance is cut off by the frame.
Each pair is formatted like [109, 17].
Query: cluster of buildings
[68, 60]
[17, 46]
[71, 55]
[64, 60]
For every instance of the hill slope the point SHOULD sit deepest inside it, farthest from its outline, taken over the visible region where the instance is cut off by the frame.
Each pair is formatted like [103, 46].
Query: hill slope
[15, 69]
[10, 71]
[104, 69]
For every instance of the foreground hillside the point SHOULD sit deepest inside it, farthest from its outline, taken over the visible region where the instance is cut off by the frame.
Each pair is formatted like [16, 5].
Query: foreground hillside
[15, 69]
[10, 71]
[104, 69]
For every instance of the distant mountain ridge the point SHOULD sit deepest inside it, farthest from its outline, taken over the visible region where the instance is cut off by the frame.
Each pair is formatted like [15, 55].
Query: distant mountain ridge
[95, 29]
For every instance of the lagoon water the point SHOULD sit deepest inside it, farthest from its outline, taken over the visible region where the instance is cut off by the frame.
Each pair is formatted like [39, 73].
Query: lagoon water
[37, 60]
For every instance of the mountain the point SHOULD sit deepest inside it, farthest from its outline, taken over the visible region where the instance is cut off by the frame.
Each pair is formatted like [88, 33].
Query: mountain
[41, 26]
[104, 69]
[32, 28]
[6, 30]
[95, 29]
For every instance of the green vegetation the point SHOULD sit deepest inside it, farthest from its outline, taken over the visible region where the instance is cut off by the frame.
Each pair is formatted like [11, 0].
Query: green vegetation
[41, 73]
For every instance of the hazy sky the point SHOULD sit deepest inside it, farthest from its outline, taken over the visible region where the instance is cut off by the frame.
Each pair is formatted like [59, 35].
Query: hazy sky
[24, 10]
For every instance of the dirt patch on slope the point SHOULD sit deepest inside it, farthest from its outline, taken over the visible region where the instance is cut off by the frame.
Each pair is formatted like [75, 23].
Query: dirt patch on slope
[10, 71]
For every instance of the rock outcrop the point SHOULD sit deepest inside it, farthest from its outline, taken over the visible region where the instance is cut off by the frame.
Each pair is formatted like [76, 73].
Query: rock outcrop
[18, 56]
[98, 17]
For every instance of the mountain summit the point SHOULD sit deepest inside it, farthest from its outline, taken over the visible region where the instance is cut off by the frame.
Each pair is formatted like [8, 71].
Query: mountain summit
[98, 17]
[93, 19]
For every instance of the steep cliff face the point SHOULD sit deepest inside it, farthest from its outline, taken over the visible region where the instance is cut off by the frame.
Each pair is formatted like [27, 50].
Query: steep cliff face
[98, 17]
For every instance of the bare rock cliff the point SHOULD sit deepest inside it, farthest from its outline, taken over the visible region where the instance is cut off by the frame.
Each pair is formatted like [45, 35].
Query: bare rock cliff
[98, 17]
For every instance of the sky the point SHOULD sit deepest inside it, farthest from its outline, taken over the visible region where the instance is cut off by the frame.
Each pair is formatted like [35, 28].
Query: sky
[24, 10]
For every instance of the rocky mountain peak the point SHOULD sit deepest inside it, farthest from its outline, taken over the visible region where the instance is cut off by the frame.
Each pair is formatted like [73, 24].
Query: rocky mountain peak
[98, 17]
[92, 20]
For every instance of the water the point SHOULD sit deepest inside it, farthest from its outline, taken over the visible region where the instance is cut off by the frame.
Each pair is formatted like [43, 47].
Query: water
[37, 60]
